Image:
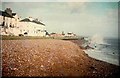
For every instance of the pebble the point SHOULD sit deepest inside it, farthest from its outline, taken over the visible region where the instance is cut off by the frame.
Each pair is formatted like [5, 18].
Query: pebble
[13, 69]
[41, 66]
[94, 72]
[60, 56]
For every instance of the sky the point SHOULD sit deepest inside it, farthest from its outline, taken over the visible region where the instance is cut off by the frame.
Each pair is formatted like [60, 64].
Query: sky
[82, 18]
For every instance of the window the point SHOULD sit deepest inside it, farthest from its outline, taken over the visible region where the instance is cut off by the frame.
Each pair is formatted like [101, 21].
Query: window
[20, 30]
[3, 24]
[27, 30]
[25, 33]
[10, 25]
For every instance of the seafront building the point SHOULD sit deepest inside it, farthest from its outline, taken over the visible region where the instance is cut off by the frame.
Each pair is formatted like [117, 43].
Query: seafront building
[32, 27]
[8, 22]
[57, 35]
[11, 24]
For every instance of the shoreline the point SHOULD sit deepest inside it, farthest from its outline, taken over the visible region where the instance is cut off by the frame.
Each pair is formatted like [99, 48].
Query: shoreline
[62, 55]
[78, 42]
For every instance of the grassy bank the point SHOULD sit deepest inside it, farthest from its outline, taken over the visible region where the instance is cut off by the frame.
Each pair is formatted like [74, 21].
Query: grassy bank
[35, 37]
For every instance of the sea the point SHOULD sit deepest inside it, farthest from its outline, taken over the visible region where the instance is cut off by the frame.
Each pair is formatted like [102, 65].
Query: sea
[104, 49]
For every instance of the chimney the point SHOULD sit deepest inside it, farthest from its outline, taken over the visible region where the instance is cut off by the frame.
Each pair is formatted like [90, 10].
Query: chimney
[8, 10]
[31, 19]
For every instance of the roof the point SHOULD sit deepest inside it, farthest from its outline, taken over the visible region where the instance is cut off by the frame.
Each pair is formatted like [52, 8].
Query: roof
[13, 14]
[34, 21]
[3, 13]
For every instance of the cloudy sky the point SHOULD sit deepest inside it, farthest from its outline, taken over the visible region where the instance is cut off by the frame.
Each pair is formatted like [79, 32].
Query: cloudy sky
[82, 18]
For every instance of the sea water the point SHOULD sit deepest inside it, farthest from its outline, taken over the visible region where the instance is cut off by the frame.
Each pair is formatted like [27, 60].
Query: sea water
[107, 51]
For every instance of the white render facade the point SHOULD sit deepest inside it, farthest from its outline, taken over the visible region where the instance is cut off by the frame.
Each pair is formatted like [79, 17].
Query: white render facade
[23, 28]
[9, 26]
[31, 29]
[12, 25]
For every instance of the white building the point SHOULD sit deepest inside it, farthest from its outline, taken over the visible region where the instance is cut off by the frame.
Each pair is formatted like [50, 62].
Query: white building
[8, 21]
[10, 24]
[70, 34]
[32, 27]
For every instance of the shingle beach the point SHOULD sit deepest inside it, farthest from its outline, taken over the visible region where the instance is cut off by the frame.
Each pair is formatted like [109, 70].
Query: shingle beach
[50, 57]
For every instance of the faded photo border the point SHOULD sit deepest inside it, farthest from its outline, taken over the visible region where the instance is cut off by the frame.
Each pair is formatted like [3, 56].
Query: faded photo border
[61, 1]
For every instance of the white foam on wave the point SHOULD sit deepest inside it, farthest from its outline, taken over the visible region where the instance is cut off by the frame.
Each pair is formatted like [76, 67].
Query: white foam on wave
[102, 50]
[97, 54]
[98, 39]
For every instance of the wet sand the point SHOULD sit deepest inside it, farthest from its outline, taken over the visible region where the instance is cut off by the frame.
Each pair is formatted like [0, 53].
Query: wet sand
[49, 57]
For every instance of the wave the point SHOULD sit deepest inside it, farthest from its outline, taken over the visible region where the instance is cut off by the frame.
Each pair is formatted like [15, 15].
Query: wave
[97, 41]
[102, 49]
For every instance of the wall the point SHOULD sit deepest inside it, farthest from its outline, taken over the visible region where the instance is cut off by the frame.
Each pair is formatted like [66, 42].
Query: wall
[32, 29]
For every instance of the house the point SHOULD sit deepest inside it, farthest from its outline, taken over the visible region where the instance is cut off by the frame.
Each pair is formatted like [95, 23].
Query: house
[8, 21]
[70, 34]
[10, 24]
[32, 27]
[56, 35]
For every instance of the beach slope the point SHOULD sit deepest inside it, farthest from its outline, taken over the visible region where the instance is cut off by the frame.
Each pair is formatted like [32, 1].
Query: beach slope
[49, 57]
